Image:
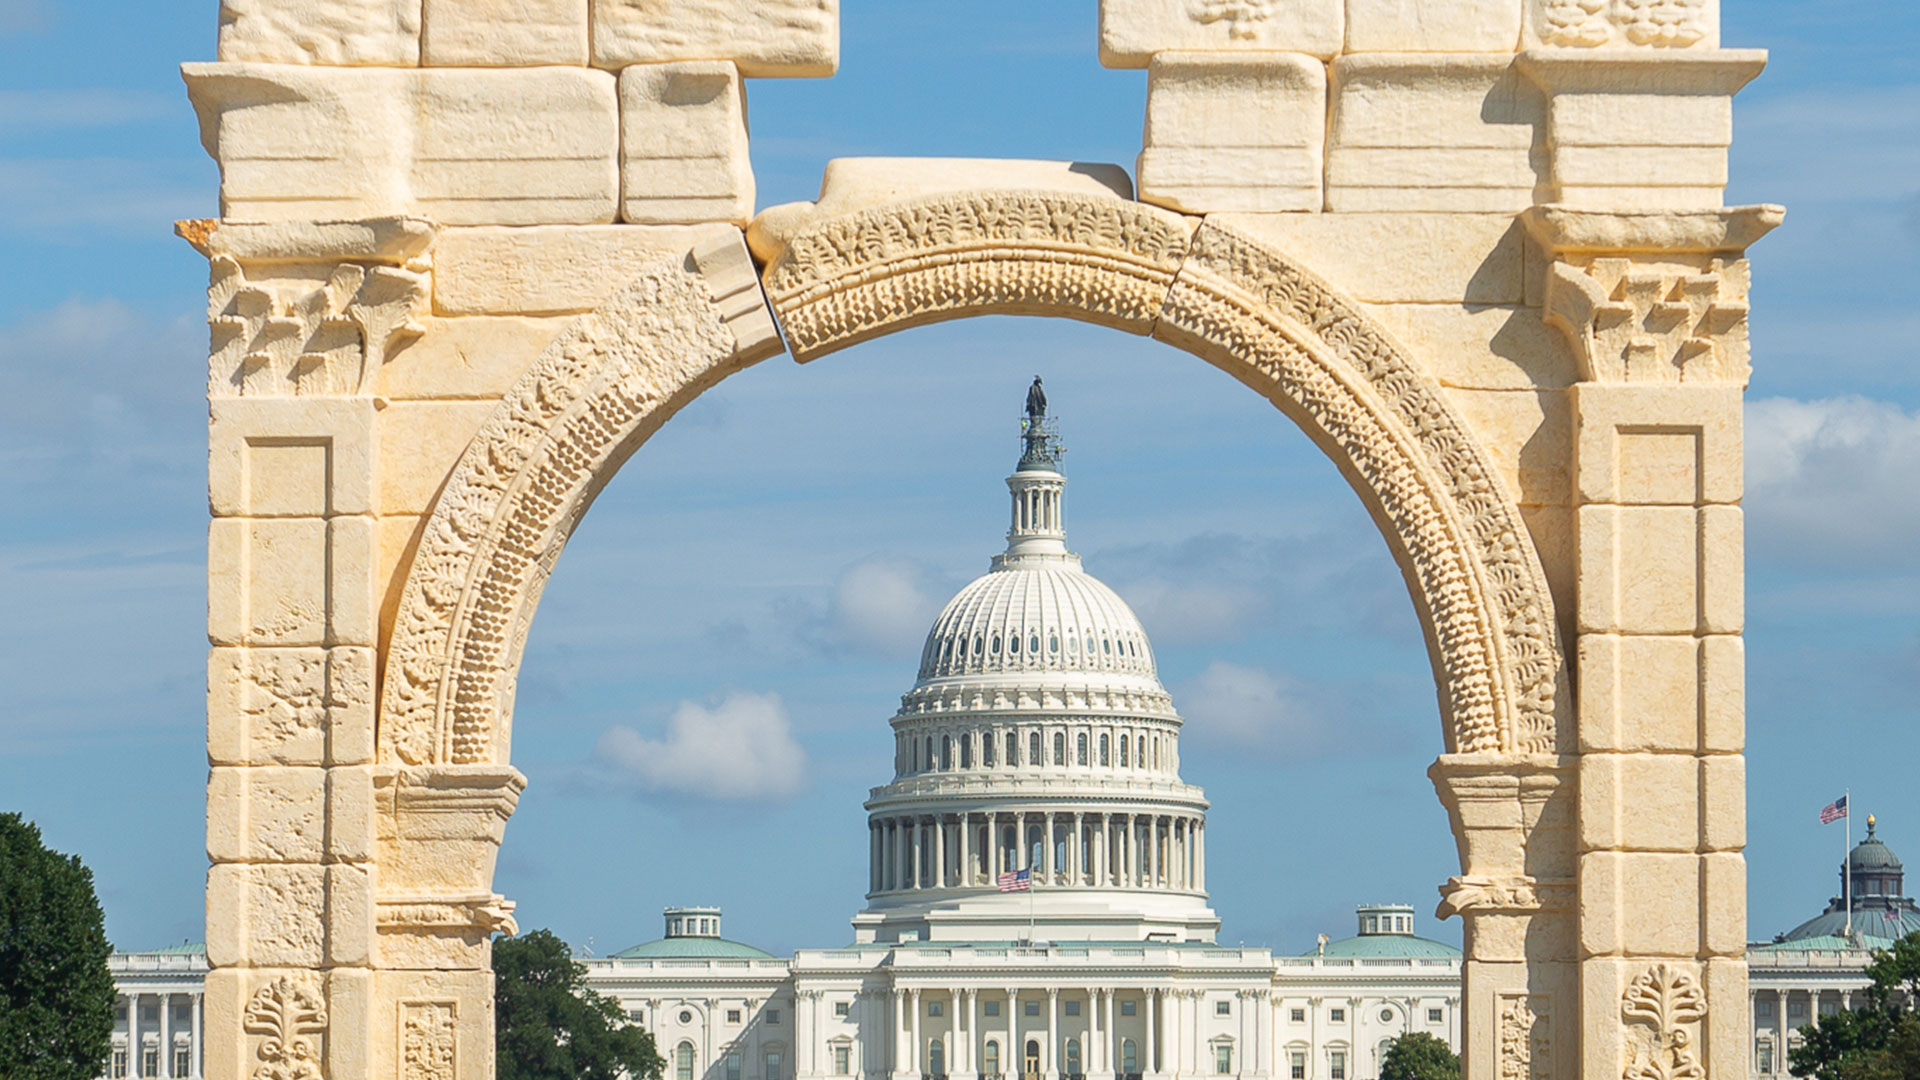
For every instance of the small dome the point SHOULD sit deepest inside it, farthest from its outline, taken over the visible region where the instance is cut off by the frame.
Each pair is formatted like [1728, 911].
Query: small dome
[1873, 854]
[693, 948]
[1387, 947]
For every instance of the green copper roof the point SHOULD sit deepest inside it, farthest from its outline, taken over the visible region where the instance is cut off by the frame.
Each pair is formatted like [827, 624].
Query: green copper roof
[693, 948]
[185, 948]
[1822, 943]
[1387, 947]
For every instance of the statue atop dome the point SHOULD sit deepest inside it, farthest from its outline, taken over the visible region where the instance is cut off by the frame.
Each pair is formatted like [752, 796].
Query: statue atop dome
[1036, 401]
[1039, 432]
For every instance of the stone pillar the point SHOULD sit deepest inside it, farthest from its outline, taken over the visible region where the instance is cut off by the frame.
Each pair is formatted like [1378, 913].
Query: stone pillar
[1047, 859]
[1263, 1034]
[133, 1034]
[940, 851]
[1025, 852]
[966, 850]
[1050, 1049]
[199, 1002]
[914, 1050]
[166, 1035]
[1654, 307]
[1151, 1003]
[1200, 856]
[916, 847]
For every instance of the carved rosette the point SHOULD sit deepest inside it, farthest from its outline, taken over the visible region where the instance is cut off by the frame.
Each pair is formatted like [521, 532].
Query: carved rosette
[851, 278]
[505, 513]
[287, 1017]
[1472, 564]
[1660, 1007]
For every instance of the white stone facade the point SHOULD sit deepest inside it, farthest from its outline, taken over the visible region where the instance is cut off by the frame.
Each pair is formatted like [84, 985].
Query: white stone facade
[159, 1014]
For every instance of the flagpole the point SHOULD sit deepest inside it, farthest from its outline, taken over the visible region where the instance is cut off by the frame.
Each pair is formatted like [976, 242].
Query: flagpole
[1846, 866]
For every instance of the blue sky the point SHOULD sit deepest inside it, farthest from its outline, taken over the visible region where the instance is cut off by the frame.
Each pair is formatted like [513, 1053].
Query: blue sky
[768, 563]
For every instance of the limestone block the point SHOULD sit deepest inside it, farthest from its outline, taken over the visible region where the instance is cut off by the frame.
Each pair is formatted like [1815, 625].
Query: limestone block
[336, 32]
[1641, 693]
[1132, 31]
[1436, 132]
[267, 581]
[1481, 347]
[255, 1018]
[1529, 433]
[1401, 258]
[388, 241]
[766, 38]
[1659, 26]
[267, 814]
[1723, 694]
[1626, 1044]
[1729, 1035]
[290, 706]
[424, 439]
[223, 1050]
[1659, 444]
[1723, 575]
[289, 457]
[350, 810]
[503, 33]
[549, 270]
[350, 1019]
[1639, 903]
[1723, 803]
[1552, 531]
[350, 915]
[399, 539]
[1723, 913]
[1234, 131]
[683, 144]
[266, 915]
[460, 146]
[1630, 129]
[447, 1014]
[1640, 569]
[1639, 802]
[1414, 26]
[440, 827]
[473, 357]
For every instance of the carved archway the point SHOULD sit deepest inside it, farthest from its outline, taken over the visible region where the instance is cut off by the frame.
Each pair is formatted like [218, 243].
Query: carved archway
[617, 374]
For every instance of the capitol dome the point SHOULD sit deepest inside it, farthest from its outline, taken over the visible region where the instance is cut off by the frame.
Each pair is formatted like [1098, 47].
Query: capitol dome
[1037, 751]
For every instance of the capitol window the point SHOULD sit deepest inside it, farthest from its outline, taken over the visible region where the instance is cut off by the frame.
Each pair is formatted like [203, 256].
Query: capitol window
[150, 1061]
[1337, 1065]
[1298, 1016]
[1013, 749]
[1033, 749]
[1339, 1016]
[1223, 1058]
[933, 1008]
[773, 1017]
[842, 1060]
[733, 1016]
[1386, 1016]
[993, 1055]
[1033, 1007]
[1053, 643]
[1123, 751]
[1106, 747]
[1013, 642]
[1763, 1009]
[119, 1062]
[993, 1009]
[1059, 748]
[1033, 643]
[733, 1065]
[1223, 1008]
[1435, 1016]
[986, 750]
[842, 1008]
[1297, 1065]
[1072, 1008]
[1126, 1009]
[966, 752]
[683, 1062]
[1080, 748]
[996, 645]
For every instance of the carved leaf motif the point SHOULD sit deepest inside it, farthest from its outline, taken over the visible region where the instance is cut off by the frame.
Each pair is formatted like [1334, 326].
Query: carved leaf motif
[428, 1035]
[285, 338]
[1665, 1000]
[285, 1013]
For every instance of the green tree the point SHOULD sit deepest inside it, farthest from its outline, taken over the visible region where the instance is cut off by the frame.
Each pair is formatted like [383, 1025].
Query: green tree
[550, 1025]
[1417, 1055]
[1880, 1040]
[56, 994]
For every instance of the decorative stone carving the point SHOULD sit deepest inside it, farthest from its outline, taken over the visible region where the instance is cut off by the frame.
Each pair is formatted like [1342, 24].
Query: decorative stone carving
[283, 339]
[1526, 1044]
[1658, 1007]
[1482, 895]
[1473, 569]
[288, 1016]
[428, 1038]
[1644, 324]
[1593, 23]
[1242, 17]
[505, 513]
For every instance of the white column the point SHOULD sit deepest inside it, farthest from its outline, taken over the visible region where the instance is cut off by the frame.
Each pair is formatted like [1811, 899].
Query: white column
[896, 1028]
[1050, 1053]
[940, 851]
[199, 1063]
[803, 1032]
[913, 1032]
[1200, 856]
[1046, 852]
[133, 1034]
[1151, 1003]
[966, 849]
[1014, 1061]
[1020, 841]
[1243, 1053]
[1263, 1032]
[1092, 1059]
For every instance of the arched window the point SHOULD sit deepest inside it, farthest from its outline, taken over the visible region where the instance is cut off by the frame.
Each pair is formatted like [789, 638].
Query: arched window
[1033, 749]
[1129, 1057]
[929, 753]
[977, 645]
[1106, 646]
[995, 646]
[770, 1062]
[1089, 646]
[1032, 1064]
[992, 1058]
[1080, 748]
[986, 750]
[1053, 642]
[1106, 750]
[936, 1058]
[1073, 1057]
[683, 1061]
[946, 753]
[1013, 643]
[1123, 752]
[1033, 642]
[916, 755]
[966, 751]
[1013, 748]
[1059, 748]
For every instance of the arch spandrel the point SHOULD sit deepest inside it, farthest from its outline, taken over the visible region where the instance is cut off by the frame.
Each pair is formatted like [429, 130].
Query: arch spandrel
[617, 374]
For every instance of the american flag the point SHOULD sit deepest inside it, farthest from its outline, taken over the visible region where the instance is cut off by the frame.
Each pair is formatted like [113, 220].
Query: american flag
[1834, 811]
[1890, 915]
[1016, 881]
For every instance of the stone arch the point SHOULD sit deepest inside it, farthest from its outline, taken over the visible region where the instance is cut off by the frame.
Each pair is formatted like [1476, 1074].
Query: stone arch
[620, 372]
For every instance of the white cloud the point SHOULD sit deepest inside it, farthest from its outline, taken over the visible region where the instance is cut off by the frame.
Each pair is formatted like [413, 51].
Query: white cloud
[1229, 703]
[741, 750]
[881, 604]
[1833, 480]
[1193, 611]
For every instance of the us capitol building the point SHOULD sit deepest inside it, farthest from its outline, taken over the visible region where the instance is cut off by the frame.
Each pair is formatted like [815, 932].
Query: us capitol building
[1036, 894]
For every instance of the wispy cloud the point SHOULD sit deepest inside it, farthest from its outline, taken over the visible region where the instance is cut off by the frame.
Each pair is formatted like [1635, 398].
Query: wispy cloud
[1832, 481]
[23, 111]
[1252, 709]
[740, 750]
[44, 196]
[883, 604]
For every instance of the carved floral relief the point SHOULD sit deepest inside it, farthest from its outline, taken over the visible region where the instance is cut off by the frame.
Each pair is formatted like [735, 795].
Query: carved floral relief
[428, 1036]
[292, 338]
[1526, 1047]
[1659, 1007]
[288, 1015]
[1242, 18]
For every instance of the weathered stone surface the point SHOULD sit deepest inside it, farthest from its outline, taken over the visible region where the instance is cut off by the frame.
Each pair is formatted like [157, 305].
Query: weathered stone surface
[1640, 904]
[329, 144]
[338, 32]
[290, 457]
[266, 915]
[683, 144]
[1234, 131]
[1639, 802]
[1658, 445]
[1481, 346]
[429, 436]
[550, 270]
[266, 814]
[394, 241]
[1658, 26]
[1434, 131]
[1402, 258]
[503, 33]
[1425, 26]
[766, 38]
[1132, 31]
[1529, 433]
[469, 357]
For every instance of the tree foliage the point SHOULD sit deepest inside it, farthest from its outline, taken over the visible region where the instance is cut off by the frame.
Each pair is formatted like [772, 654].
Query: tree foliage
[550, 1025]
[1879, 1041]
[1417, 1055]
[56, 993]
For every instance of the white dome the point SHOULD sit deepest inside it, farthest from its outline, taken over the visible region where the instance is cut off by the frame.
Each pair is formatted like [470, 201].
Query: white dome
[1023, 619]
